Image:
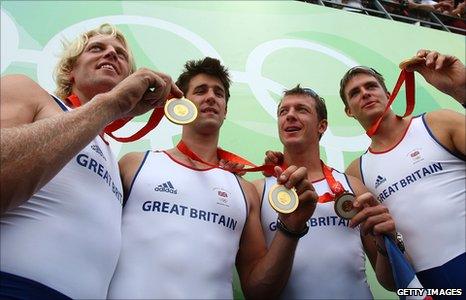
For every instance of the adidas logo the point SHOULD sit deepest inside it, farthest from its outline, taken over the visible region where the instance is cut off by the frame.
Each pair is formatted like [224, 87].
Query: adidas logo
[166, 187]
[98, 151]
[379, 181]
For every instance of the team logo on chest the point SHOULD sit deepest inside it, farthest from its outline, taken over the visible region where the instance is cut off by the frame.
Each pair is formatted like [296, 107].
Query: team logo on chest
[222, 196]
[415, 156]
[379, 180]
[166, 187]
[98, 151]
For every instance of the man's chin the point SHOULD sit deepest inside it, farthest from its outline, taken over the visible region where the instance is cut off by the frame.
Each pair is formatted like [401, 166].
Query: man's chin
[291, 141]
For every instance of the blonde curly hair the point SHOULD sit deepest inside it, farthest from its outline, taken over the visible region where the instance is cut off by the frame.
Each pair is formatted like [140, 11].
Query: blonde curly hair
[72, 50]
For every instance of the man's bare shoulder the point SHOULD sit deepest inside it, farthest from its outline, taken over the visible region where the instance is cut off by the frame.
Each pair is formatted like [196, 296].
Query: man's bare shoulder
[132, 158]
[23, 101]
[441, 117]
[250, 191]
[354, 169]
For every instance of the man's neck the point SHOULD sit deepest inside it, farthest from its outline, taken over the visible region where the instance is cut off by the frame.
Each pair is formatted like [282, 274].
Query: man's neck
[308, 157]
[204, 146]
[83, 98]
[390, 132]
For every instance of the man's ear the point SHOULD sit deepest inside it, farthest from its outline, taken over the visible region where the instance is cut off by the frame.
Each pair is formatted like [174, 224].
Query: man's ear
[322, 127]
[226, 111]
[348, 112]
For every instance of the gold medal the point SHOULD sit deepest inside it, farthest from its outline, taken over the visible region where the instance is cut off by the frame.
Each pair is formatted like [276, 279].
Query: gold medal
[344, 206]
[283, 200]
[180, 111]
[410, 61]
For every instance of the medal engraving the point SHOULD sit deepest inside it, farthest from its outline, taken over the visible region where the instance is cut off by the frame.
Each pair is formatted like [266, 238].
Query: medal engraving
[180, 111]
[283, 200]
[344, 206]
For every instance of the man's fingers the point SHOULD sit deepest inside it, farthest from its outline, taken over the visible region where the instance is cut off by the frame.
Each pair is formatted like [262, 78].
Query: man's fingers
[366, 199]
[367, 212]
[283, 175]
[422, 53]
[431, 59]
[175, 91]
[381, 220]
[292, 175]
[274, 157]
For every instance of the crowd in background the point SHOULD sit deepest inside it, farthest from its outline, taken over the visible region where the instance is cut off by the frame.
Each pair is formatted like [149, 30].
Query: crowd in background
[450, 13]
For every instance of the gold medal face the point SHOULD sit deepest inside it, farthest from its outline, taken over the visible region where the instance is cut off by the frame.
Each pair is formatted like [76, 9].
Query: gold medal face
[180, 111]
[410, 61]
[283, 200]
[344, 206]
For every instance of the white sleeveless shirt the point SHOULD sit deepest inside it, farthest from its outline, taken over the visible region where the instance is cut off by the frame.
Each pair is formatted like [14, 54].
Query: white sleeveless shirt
[329, 261]
[423, 186]
[181, 231]
[67, 236]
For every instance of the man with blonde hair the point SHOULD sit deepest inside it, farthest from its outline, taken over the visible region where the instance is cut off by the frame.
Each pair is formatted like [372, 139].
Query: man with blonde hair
[61, 195]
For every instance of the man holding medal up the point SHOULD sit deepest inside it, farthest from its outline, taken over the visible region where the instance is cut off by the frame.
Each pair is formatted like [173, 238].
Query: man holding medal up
[329, 262]
[61, 199]
[186, 220]
[416, 165]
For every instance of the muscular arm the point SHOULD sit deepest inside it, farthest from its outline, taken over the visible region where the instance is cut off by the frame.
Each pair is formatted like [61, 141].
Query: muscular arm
[354, 169]
[379, 262]
[37, 140]
[449, 128]
[34, 150]
[263, 274]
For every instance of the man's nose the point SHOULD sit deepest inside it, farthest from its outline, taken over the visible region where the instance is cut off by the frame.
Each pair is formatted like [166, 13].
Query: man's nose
[291, 115]
[210, 96]
[110, 52]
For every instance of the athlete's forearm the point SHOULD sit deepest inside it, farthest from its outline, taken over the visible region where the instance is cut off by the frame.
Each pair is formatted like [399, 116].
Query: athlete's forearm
[32, 154]
[270, 275]
[459, 94]
[384, 272]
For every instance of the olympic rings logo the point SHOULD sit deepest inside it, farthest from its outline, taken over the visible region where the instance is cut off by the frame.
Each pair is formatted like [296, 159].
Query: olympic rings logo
[260, 86]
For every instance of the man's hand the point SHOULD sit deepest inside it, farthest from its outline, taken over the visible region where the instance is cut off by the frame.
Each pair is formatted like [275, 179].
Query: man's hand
[373, 217]
[445, 72]
[294, 177]
[272, 158]
[231, 166]
[140, 92]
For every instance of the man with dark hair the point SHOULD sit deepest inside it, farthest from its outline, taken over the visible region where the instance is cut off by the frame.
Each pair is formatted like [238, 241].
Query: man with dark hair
[340, 272]
[61, 192]
[186, 221]
[209, 66]
[425, 190]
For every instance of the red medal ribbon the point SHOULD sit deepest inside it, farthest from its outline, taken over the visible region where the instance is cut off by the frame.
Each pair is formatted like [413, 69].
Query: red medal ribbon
[335, 186]
[154, 120]
[228, 156]
[407, 77]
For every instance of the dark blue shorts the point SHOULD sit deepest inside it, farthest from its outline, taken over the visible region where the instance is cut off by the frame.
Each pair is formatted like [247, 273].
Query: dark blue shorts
[20, 288]
[451, 275]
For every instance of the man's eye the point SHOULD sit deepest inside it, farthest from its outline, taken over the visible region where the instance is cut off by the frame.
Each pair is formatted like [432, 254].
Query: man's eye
[95, 48]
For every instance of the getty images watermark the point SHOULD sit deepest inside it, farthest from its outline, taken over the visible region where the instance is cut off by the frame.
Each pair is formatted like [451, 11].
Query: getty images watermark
[429, 292]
